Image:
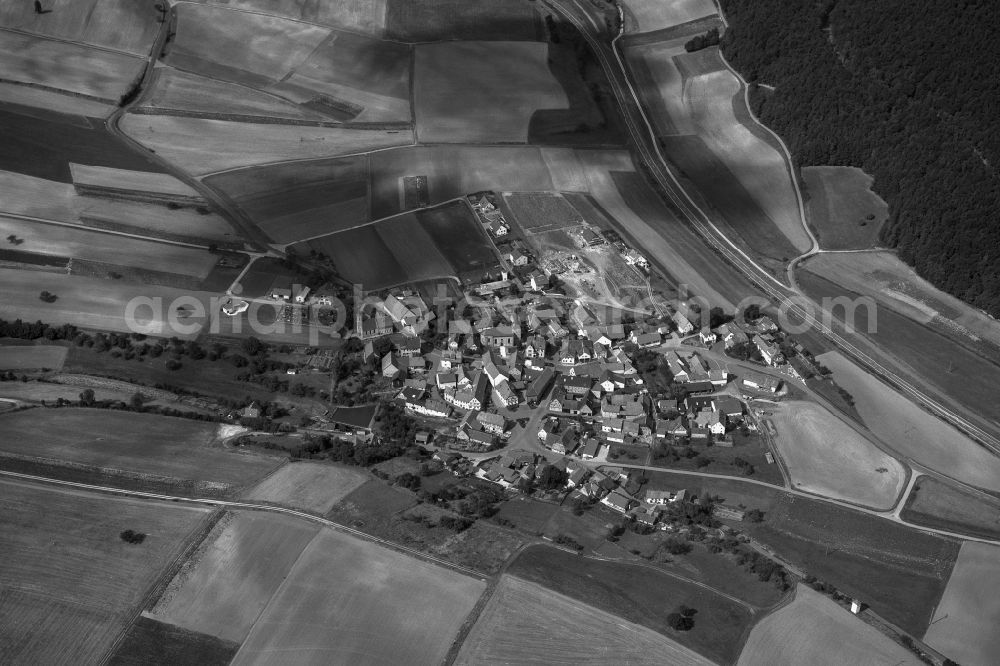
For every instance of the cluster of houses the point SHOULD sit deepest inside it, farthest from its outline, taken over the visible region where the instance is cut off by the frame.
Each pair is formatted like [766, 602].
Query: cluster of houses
[484, 204]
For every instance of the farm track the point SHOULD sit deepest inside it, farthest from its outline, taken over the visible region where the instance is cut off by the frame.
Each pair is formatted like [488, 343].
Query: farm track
[787, 298]
[232, 504]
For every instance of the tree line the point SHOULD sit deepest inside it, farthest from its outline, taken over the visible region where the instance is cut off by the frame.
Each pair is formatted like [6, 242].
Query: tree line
[907, 91]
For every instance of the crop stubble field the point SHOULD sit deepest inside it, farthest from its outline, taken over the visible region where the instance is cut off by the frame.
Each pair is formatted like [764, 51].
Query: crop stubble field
[813, 629]
[386, 608]
[912, 431]
[309, 486]
[965, 621]
[139, 443]
[225, 585]
[493, 108]
[826, 456]
[68, 583]
[526, 623]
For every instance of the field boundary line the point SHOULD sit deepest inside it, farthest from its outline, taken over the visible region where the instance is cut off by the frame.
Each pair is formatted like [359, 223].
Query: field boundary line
[254, 507]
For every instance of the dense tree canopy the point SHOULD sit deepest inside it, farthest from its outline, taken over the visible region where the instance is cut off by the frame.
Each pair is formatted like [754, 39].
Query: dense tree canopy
[905, 89]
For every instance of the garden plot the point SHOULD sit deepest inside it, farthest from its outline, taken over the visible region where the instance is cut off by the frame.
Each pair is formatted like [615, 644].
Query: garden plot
[499, 85]
[70, 67]
[826, 456]
[202, 146]
[353, 601]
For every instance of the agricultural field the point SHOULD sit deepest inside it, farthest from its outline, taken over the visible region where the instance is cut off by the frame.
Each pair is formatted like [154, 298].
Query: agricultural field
[226, 584]
[137, 443]
[649, 15]
[95, 303]
[117, 25]
[34, 357]
[137, 183]
[411, 247]
[812, 629]
[884, 277]
[911, 431]
[90, 245]
[965, 621]
[840, 203]
[417, 607]
[468, 20]
[81, 70]
[174, 90]
[661, 84]
[342, 75]
[538, 212]
[525, 623]
[936, 503]
[895, 569]
[43, 145]
[482, 75]
[52, 101]
[827, 457]
[366, 16]
[293, 202]
[308, 486]
[203, 146]
[51, 200]
[151, 642]
[640, 596]
[69, 584]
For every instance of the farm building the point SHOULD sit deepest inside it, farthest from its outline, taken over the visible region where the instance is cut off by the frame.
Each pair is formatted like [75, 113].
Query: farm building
[760, 382]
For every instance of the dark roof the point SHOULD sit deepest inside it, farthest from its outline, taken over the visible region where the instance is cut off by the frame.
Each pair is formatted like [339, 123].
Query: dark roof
[355, 417]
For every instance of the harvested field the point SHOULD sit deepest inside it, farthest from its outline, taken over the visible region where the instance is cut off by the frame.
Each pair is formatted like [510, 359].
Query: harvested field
[840, 201]
[80, 243]
[417, 608]
[202, 146]
[897, 570]
[120, 25]
[140, 443]
[300, 62]
[481, 74]
[80, 69]
[51, 200]
[524, 623]
[43, 144]
[292, 202]
[51, 100]
[813, 628]
[936, 503]
[308, 486]
[69, 584]
[150, 642]
[223, 588]
[912, 431]
[173, 89]
[35, 357]
[542, 211]
[363, 15]
[965, 621]
[640, 595]
[454, 171]
[826, 456]
[648, 15]
[431, 243]
[468, 20]
[92, 303]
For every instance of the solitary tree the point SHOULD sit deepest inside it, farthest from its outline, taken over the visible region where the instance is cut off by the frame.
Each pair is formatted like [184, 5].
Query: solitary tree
[87, 397]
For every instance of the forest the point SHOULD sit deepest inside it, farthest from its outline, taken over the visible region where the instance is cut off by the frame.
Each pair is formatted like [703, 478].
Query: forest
[906, 90]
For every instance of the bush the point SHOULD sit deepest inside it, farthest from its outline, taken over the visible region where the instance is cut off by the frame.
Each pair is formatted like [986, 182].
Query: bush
[132, 537]
[679, 622]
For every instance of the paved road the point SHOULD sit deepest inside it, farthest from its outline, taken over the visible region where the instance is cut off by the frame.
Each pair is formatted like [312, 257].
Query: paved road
[249, 506]
[645, 142]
